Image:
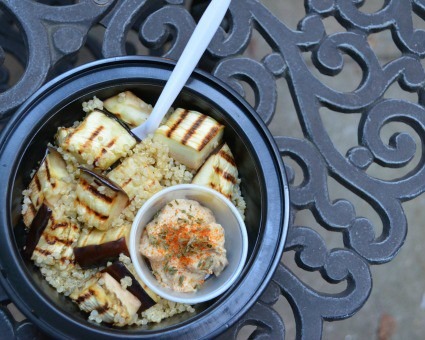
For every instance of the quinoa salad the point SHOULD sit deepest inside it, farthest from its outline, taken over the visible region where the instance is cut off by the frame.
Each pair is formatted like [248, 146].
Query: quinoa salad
[87, 190]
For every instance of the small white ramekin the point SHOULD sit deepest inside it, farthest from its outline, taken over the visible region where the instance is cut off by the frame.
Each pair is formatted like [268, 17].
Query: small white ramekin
[226, 214]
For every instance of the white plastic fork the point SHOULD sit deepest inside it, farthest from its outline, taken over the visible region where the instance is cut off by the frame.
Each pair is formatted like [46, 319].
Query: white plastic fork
[195, 48]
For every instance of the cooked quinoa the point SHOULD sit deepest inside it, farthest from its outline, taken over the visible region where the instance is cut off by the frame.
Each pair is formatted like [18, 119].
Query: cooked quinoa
[145, 170]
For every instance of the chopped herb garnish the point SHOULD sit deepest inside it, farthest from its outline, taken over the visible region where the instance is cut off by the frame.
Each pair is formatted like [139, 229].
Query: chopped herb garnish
[181, 279]
[169, 270]
[153, 240]
[206, 264]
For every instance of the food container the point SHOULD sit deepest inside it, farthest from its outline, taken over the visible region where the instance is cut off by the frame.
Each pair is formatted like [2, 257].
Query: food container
[225, 213]
[264, 187]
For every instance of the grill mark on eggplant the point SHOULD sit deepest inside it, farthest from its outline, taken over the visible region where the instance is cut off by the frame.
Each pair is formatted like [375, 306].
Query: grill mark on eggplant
[84, 297]
[111, 143]
[63, 259]
[182, 116]
[44, 252]
[47, 170]
[227, 157]
[102, 152]
[127, 182]
[197, 123]
[59, 225]
[37, 182]
[102, 309]
[51, 239]
[94, 134]
[55, 154]
[95, 192]
[224, 174]
[91, 211]
[210, 135]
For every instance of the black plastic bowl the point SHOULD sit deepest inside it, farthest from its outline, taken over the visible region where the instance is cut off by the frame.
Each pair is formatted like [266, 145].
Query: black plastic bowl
[264, 187]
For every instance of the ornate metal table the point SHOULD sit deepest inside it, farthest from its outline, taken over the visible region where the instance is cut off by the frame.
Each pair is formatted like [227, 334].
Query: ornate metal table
[45, 38]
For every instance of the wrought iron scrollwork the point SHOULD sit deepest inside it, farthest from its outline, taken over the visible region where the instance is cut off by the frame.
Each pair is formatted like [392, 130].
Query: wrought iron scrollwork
[48, 34]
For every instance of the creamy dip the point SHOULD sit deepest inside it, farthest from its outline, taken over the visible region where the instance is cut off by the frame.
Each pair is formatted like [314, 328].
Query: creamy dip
[184, 244]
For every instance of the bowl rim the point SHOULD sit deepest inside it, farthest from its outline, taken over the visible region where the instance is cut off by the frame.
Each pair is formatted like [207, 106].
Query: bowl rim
[277, 189]
[190, 298]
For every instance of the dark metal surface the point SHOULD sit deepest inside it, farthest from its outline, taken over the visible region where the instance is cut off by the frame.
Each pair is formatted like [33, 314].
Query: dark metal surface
[45, 39]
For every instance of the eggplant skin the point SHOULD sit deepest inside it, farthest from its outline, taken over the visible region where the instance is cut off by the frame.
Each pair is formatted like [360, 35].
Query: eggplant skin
[38, 225]
[97, 255]
[118, 271]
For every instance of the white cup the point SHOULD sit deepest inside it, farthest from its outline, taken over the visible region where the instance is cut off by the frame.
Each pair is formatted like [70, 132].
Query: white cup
[226, 214]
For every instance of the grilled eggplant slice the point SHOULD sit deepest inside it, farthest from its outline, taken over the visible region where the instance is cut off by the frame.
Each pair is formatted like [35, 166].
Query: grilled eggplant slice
[118, 271]
[54, 246]
[110, 302]
[99, 140]
[133, 178]
[99, 200]
[48, 184]
[94, 236]
[191, 136]
[128, 300]
[219, 172]
[93, 297]
[95, 247]
[129, 108]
